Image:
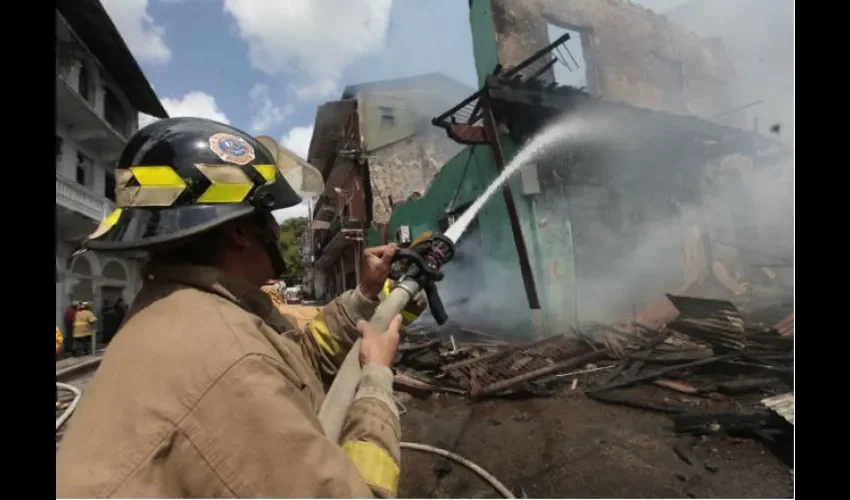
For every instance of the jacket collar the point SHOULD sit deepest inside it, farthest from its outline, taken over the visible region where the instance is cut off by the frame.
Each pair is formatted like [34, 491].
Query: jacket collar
[209, 279]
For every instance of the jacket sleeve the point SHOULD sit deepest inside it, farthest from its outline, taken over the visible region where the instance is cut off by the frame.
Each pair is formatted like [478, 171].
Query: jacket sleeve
[273, 446]
[329, 336]
[59, 339]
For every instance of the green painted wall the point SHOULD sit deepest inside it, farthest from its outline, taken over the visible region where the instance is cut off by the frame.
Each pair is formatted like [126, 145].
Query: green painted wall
[498, 259]
[544, 219]
[483, 38]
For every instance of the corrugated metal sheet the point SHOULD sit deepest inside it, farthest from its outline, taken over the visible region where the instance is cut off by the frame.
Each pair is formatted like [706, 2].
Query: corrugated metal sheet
[785, 327]
[782, 404]
[714, 321]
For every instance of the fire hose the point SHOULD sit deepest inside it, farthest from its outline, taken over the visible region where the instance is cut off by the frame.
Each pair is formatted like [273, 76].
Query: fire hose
[73, 406]
[416, 268]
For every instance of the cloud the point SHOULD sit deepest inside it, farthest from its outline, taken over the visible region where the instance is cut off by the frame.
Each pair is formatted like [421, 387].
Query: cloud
[266, 113]
[310, 41]
[316, 91]
[298, 140]
[195, 103]
[143, 36]
[299, 210]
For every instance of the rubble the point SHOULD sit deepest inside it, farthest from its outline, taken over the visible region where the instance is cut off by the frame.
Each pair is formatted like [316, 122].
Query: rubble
[705, 364]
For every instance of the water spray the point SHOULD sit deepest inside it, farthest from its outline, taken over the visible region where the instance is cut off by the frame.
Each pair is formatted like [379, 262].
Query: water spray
[419, 266]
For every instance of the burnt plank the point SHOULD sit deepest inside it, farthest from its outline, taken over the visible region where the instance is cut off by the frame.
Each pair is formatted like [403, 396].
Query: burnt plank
[624, 399]
[707, 423]
[743, 386]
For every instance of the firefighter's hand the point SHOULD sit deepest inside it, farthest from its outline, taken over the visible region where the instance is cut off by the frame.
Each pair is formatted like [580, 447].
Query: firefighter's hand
[375, 269]
[376, 347]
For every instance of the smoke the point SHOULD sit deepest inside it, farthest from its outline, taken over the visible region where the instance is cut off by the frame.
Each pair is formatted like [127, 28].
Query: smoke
[640, 209]
[759, 37]
[629, 210]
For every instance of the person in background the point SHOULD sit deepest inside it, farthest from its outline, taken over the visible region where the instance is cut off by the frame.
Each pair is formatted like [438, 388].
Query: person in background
[84, 328]
[274, 289]
[120, 310]
[70, 312]
[59, 341]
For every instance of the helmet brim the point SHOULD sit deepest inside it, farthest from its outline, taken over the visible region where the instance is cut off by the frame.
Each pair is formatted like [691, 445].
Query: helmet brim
[145, 229]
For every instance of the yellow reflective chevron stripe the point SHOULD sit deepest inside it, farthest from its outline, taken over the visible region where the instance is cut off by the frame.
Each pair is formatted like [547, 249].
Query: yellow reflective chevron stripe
[267, 171]
[409, 317]
[161, 186]
[228, 184]
[386, 290]
[106, 224]
[161, 177]
[376, 466]
[323, 337]
[158, 186]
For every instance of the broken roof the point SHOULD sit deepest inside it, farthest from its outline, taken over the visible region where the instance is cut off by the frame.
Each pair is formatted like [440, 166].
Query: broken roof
[527, 93]
[437, 81]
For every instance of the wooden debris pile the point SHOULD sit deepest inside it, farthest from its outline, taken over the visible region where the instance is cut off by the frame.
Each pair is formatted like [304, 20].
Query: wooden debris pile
[475, 364]
[706, 368]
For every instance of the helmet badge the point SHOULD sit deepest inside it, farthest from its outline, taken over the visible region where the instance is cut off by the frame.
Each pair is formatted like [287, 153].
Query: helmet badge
[232, 149]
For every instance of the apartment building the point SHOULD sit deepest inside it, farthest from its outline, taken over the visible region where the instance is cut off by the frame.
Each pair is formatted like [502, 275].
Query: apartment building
[100, 90]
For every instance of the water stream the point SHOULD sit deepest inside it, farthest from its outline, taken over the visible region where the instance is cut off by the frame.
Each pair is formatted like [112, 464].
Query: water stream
[558, 133]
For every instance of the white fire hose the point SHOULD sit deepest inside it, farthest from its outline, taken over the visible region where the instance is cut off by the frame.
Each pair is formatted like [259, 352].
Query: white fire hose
[73, 406]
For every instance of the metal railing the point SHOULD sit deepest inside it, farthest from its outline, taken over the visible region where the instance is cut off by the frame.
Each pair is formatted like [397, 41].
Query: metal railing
[77, 198]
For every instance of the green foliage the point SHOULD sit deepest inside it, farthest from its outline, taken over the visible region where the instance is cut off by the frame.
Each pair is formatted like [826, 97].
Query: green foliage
[291, 231]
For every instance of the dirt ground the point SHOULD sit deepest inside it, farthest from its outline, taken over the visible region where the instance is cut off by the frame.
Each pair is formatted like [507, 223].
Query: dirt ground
[571, 446]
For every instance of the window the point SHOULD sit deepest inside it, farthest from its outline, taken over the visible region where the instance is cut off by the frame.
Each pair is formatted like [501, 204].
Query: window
[84, 83]
[109, 186]
[113, 111]
[59, 143]
[387, 116]
[83, 167]
[670, 79]
[571, 68]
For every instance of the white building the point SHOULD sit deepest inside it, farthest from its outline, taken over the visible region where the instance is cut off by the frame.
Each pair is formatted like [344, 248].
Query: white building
[100, 90]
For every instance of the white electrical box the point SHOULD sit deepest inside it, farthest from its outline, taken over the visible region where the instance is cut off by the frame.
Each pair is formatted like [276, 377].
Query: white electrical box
[403, 234]
[529, 179]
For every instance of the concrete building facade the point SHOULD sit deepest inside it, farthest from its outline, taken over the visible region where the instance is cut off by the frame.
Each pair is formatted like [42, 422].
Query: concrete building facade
[100, 90]
[375, 148]
[606, 228]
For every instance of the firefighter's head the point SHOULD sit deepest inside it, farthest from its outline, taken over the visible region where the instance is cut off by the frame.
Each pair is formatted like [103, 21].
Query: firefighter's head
[191, 189]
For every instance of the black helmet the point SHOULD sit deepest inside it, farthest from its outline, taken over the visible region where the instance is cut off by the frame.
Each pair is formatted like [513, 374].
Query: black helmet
[179, 177]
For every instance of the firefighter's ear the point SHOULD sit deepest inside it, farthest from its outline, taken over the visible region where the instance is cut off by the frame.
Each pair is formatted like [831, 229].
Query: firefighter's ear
[237, 236]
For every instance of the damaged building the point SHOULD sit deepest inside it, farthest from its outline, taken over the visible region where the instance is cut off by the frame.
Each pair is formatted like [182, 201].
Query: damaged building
[595, 231]
[375, 148]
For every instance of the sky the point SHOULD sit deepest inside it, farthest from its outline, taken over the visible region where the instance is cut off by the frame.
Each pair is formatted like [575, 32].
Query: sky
[265, 65]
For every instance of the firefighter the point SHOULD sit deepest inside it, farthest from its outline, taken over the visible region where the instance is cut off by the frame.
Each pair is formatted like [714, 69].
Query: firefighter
[274, 289]
[84, 321]
[59, 341]
[206, 391]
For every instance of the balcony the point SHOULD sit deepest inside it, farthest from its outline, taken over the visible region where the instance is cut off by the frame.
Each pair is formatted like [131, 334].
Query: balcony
[76, 198]
[84, 124]
[340, 234]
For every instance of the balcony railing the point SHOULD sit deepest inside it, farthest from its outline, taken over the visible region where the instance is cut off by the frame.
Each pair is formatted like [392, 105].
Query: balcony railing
[337, 234]
[72, 196]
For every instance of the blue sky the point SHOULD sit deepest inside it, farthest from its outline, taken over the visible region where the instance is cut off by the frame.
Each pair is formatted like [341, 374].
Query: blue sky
[264, 65]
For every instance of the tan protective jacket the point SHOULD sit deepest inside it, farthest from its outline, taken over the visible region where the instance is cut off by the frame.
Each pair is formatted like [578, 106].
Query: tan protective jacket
[84, 322]
[199, 395]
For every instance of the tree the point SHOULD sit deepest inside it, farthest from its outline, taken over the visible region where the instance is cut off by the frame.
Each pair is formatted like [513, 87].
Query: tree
[291, 231]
